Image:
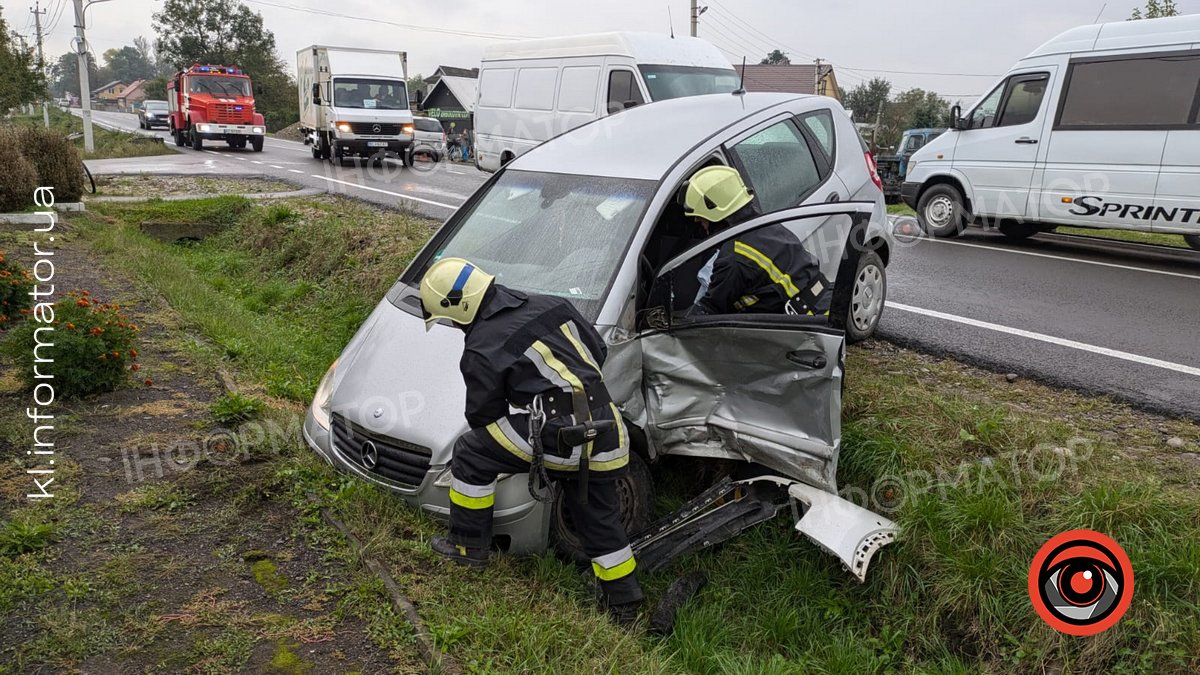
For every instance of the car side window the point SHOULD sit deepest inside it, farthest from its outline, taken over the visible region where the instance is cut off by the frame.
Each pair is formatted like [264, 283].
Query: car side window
[820, 123]
[984, 115]
[621, 88]
[1024, 100]
[778, 165]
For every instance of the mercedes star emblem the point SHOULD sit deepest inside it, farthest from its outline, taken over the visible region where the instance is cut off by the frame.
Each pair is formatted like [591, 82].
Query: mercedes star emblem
[376, 128]
[370, 455]
[378, 413]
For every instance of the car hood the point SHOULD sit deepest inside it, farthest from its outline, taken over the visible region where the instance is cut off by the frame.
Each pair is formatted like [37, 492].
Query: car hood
[396, 379]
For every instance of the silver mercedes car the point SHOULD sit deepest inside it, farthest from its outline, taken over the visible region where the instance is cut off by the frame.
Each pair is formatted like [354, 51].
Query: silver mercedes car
[596, 216]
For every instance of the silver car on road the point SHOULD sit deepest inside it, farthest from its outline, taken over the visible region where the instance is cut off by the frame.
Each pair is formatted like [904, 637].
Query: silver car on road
[596, 216]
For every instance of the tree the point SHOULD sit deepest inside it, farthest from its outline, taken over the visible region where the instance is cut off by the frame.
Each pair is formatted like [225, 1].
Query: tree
[127, 64]
[21, 81]
[863, 101]
[1155, 10]
[416, 83]
[156, 89]
[776, 58]
[226, 32]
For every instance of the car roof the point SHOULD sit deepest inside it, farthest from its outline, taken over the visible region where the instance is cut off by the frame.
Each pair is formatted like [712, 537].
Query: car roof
[646, 141]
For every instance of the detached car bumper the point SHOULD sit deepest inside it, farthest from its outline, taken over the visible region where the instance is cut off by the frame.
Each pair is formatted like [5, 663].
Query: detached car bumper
[518, 517]
[214, 131]
[909, 193]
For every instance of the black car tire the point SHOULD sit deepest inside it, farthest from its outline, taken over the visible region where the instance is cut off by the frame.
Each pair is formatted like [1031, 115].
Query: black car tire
[636, 493]
[942, 212]
[1192, 240]
[868, 287]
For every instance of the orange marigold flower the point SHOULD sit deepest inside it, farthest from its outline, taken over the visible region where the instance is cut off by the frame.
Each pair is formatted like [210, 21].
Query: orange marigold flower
[24, 311]
[84, 292]
[70, 326]
[147, 382]
[116, 355]
[82, 303]
[103, 356]
[133, 367]
[133, 353]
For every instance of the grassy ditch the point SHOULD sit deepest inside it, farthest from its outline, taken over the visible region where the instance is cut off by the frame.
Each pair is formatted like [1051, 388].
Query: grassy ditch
[109, 144]
[283, 286]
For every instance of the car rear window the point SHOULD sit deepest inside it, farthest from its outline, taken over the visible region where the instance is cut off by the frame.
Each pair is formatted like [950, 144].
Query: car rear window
[554, 234]
[426, 124]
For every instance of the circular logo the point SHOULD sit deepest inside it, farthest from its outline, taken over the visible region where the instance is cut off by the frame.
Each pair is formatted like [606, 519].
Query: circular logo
[1081, 582]
[378, 413]
[906, 228]
[370, 454]
[376, 128]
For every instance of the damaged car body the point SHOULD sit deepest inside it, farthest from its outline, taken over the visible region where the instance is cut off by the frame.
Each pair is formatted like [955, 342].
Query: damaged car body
[595, 216]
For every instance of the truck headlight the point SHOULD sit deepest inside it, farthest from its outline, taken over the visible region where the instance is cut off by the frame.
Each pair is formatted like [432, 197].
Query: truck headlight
[204, 128]
[407, 128]
[324, 396]
[343, 127]
[259, 130]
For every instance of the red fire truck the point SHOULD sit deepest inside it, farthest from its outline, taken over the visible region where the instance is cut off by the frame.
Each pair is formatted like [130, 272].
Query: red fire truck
[213, 103]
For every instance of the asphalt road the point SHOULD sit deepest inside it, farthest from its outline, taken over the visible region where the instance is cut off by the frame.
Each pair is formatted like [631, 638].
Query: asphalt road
[435, 193]
[1102, 317]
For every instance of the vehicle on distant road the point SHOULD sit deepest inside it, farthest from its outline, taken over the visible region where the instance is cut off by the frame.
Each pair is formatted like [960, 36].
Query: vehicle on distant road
[893, 168]
[534, 90]
[213, 103]
[1096, 128]
[153, 114]
[602, 224]
[354, 102]
[429, 140]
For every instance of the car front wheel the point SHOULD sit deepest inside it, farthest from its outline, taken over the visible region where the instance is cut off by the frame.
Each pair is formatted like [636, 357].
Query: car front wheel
[942, 212]
[635, 494]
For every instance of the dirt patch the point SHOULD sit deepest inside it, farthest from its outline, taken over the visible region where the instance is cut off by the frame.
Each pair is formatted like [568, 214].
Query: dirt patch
[146, 185]
[164, 560]
[290, 133]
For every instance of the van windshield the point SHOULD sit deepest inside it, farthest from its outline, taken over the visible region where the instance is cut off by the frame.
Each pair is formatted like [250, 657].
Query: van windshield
[363, 93]
[553, 234]
[667, 82]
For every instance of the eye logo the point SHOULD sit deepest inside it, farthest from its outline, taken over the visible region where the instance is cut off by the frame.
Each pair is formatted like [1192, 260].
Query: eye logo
[1081, 582]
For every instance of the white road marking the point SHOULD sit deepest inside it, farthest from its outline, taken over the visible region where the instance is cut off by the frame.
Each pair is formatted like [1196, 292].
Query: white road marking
[295, 171]
[458, 173]
[212, 152]
[386, 192]
[1062, 342]
[241, 159]
[255, 161]
[1067, 258]
[275, 166]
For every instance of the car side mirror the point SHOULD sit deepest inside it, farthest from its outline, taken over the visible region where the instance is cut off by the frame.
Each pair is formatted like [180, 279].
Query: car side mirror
[316, 94]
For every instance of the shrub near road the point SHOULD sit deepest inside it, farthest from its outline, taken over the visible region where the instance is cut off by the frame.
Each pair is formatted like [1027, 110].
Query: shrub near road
[984, 472]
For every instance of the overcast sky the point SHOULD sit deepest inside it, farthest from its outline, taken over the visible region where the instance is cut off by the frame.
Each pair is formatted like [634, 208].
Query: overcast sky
[936, 38]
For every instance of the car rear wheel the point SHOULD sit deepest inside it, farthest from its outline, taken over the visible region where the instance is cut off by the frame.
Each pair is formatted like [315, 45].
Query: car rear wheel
[942, 212]
[635, 492]
[1192, 240]
[868, 294]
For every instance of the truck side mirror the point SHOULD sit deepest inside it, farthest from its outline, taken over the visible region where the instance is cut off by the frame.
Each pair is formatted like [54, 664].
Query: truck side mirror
[316, 94]
[956, 120]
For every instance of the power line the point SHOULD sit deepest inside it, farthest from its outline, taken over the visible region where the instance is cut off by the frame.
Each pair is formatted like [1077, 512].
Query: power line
[409, 26]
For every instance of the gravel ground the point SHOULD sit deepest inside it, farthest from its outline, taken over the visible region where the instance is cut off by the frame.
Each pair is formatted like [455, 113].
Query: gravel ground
[147, 185]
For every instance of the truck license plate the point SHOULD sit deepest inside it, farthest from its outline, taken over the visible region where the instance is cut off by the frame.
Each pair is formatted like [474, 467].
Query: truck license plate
[376, 144]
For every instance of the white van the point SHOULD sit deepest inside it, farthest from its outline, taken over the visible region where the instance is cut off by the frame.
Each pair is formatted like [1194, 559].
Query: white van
[1096, 128]
[534, 90]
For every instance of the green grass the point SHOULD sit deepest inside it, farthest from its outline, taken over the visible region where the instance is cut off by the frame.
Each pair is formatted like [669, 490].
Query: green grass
[109, 144]
[1127, 235]
[282, 288]
[900, 209]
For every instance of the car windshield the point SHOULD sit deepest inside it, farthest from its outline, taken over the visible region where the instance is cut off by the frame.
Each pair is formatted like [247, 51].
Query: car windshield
[363, 93]
[219, 85]
[678, 81]
[156, 106]
[553, 234]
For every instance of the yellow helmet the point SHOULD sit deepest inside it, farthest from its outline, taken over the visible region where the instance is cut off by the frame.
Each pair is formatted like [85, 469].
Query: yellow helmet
[452, 289]
[716, 192]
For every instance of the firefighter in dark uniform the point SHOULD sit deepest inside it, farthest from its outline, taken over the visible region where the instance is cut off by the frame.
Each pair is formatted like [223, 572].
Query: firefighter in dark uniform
[537, 353]
[766, 271]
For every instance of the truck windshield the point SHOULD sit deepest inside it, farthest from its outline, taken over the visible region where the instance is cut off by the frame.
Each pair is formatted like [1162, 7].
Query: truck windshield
[362, 93]
[667, 82]
[218, 85]
[554, 234]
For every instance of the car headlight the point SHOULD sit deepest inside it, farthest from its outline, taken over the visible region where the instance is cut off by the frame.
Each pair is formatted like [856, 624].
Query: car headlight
[324, 397]
[149, 116]
[343, 127]
[912, 167]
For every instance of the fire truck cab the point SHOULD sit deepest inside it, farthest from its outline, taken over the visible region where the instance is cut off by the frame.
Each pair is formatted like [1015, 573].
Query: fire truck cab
[213, 103]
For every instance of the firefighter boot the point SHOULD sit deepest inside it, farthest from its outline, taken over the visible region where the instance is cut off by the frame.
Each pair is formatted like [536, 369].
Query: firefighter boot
[475, 558]
[625, 615]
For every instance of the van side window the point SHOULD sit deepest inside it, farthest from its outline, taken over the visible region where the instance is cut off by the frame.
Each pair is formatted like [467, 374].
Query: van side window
[1024, 99]
[1142, 92]
[577, 89]
[621, 88]
[495, 87]
[984, 115]
[779, 166]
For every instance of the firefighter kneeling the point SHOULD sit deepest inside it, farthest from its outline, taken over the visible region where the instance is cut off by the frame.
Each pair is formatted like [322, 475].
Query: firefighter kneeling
[537, 353]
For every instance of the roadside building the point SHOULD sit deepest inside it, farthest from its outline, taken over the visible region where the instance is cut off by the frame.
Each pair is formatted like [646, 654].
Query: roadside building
[133, 95]
[110, 92]
[450, 96]
[799, 78]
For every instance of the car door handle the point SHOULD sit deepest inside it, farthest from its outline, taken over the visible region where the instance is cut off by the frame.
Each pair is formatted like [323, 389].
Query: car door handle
[810, 360]
[833, 197]
[1025, 140]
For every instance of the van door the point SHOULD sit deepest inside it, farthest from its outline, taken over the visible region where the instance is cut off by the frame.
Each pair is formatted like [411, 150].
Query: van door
[1178, 197]
[766, 388]
[998, 150]
[624, 87]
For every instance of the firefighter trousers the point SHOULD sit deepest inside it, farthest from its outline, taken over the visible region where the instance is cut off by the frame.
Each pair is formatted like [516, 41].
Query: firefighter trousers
[480, 455]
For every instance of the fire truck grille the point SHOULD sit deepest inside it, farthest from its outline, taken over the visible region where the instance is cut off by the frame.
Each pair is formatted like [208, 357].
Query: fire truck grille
[374, 128]
[225, 113]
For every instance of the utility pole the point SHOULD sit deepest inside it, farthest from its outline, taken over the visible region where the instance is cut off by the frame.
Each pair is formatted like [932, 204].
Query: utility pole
[37, 21]
[875, 131]
[817, 79]
[85, 91]
[697, 10]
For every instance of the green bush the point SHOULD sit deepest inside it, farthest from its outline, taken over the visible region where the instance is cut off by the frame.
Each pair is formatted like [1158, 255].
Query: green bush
[18, 178]
[94, 347]
[55, 160]
[15, 284]
[20, 537]
[235, 408]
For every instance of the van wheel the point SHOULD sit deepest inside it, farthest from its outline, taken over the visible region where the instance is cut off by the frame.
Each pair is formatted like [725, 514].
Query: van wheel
[941, 211]
[1192, 240]
[635, 491]
[1018, 231]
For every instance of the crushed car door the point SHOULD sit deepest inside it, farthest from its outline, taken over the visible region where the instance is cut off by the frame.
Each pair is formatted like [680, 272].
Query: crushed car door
[763, 387]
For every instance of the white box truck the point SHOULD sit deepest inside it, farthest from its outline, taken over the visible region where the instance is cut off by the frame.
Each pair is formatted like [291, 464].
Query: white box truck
[534, 90]
[354, 102]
